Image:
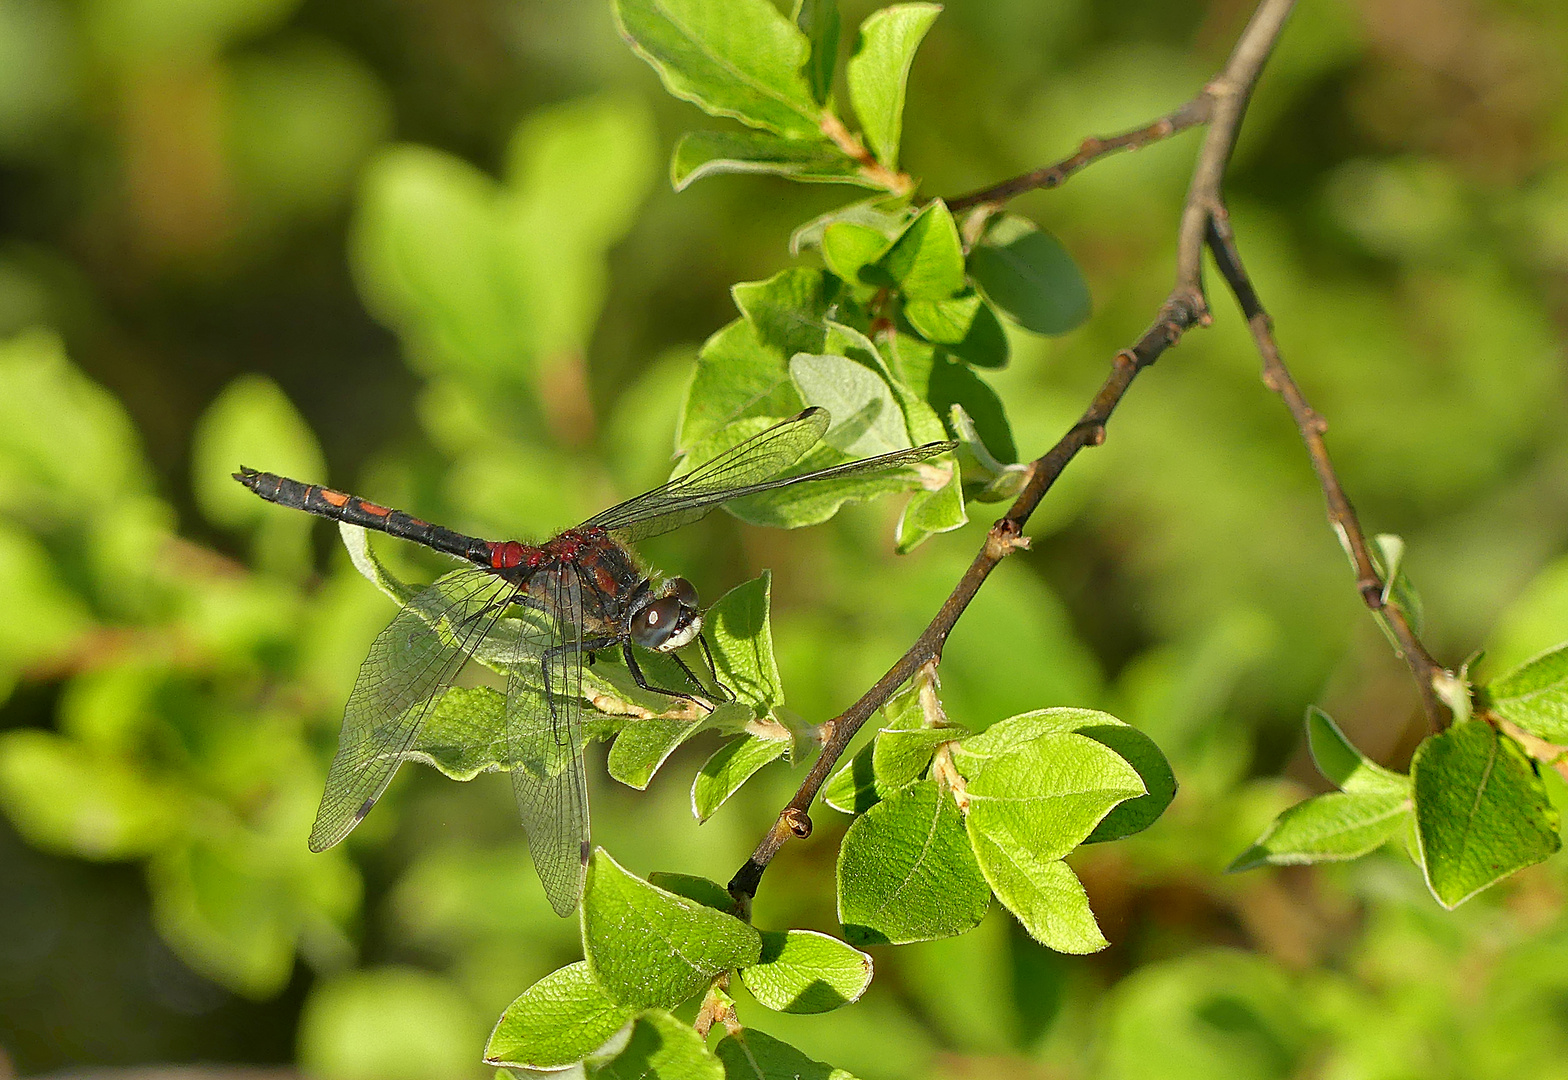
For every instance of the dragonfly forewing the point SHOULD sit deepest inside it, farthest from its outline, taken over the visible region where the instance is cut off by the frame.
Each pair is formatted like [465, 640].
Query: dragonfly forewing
[410, 663]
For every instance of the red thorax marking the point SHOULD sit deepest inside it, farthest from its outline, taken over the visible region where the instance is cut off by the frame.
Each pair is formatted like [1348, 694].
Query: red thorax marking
[506, 555]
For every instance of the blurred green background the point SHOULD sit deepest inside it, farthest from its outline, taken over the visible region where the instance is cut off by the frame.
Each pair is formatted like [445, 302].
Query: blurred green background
[425, 250]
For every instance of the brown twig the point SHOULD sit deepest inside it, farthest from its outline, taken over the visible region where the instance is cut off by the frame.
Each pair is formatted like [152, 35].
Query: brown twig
[1222, 102]
[1277, 377]
[1089, 151]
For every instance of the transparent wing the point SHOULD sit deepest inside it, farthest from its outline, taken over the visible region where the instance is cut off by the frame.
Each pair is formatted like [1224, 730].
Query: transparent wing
[409, 664]
[744, 470]
[544, 700]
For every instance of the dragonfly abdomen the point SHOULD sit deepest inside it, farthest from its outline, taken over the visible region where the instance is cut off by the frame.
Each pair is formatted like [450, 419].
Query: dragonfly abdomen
[338, 506]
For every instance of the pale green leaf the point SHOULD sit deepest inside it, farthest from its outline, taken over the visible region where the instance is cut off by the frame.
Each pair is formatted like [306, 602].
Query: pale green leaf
[716, 153]
[731, 766]
[1534, 695]
[1334, 827]
[927, 260]
[802, 971]
[879, 71]
[558, 1021]
[1044, 895]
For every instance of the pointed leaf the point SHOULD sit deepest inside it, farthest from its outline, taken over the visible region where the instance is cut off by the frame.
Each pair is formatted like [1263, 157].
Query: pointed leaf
[879, 71]
[1345, 766]
[906, 871]
[927, 260]
[1027, 273]
[866, 417]
[802, 971]
[558, 1021]
[1043, 894]
[714, 153]
[1328, 828]
[1481, 811]
[944, 321]
[648, 946]
[741, 637]
[739, 58]
[851, 251]
[1534, 695]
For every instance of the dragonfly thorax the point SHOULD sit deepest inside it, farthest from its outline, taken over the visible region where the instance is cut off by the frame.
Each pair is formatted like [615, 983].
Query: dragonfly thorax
[666, 619]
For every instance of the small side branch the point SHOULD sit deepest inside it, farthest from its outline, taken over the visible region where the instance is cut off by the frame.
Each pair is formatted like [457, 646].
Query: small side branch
[1277, 377]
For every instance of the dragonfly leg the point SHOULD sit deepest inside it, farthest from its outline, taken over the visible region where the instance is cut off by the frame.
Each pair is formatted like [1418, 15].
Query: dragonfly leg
[556, 652]
[637, 677]
[707, 653]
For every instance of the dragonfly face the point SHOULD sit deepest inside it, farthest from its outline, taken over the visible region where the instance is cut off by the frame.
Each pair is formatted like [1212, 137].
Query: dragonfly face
[592, 596]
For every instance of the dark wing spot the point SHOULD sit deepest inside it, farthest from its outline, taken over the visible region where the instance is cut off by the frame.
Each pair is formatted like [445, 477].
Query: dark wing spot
[359, 815]
[586, 850]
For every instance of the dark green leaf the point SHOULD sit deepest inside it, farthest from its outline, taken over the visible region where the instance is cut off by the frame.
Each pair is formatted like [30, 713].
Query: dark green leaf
[985, 345]
[802, 971]
[1029, 275]
[927, 260]
[1328, 828]
[662, 1048]
[739, 58]
[1481, 811]
[701, 889]
[465, 734]
[731, 766]
[647, 946]
[879, 70]
[558, 1021]
[714, 153]
[753, 1055]
[789, 310]
[1534, 695]
[906, 871]
[819, 21]
[1043, 894]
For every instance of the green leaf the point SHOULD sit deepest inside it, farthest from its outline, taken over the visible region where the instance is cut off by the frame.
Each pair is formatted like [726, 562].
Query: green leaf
[1043, 894]
[1046, 795]
[1011, 736]
[866, 416]
[882, 214]
[802, 971]
[851, 251]
[662, 1048]
[927, 260]
[647, 946]
[706, 892]
[558, 1021]
[928, 513]
[731, 766]
[644, 745]
[737, 375]
[985, 345]
[1345, 766]
[944, 321]
[1534, 695]
[62, 797]
[1328, 828]
[741, 637]
[896, 757]
[715, 153]
[739, 58]
[1481, 811]
[1397, 586]
[879, 70]
[753, 1055]
[1027, 273]
[44, 618]
[465, 734]
[906, 871]
[819, 21]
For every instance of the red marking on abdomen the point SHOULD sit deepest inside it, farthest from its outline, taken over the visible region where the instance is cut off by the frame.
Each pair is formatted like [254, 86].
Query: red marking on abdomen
[504, 556]
[333, 498]
[373, 510]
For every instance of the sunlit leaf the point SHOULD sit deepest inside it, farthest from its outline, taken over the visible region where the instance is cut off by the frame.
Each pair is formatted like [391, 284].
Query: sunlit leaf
[558, 1021]
[754, 1055]
[715, 153]
[1534, 695]
[1328, 828]
[802, 971]
[879, 71]
[1043, 894]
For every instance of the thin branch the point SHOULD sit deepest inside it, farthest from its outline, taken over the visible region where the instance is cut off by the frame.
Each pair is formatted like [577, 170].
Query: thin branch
[1090, 150]
[1277, 377]
[1225, 101]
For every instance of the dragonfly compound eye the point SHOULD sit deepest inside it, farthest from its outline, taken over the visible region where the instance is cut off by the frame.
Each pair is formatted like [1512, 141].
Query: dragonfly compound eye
[665, 625]
[684, 591]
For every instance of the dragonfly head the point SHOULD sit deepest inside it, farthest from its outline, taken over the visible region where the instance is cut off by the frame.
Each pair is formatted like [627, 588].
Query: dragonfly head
[668, 619]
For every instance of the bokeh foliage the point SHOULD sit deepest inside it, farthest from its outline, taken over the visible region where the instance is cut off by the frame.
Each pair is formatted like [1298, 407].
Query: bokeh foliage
[212, 216]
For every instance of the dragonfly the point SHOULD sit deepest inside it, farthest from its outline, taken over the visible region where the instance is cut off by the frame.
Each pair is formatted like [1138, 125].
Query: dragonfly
[578, 593]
